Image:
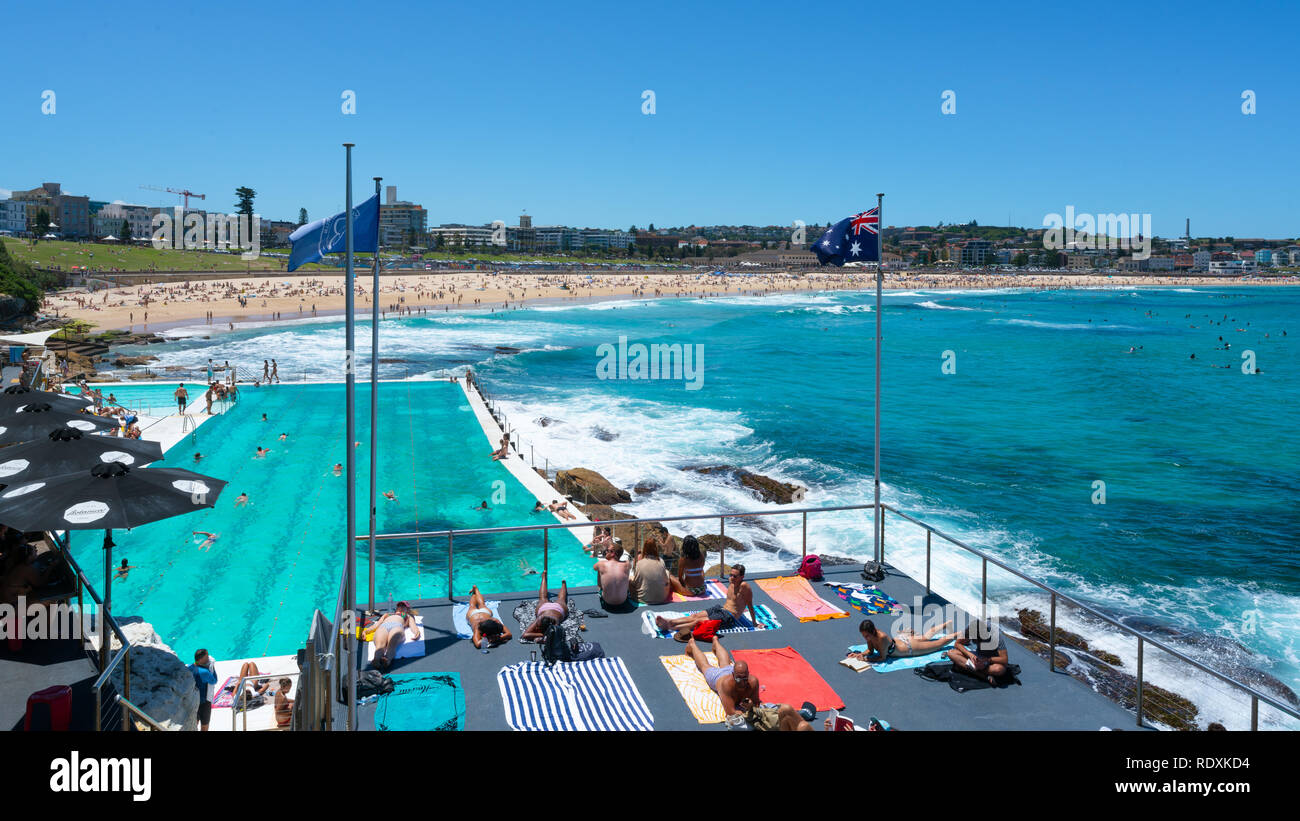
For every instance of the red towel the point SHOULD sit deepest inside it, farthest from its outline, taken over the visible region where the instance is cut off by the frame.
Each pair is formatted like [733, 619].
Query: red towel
[786, 678]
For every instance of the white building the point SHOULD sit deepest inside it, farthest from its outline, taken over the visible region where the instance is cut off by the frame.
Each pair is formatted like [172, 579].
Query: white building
[1201, 261]
[13, 216]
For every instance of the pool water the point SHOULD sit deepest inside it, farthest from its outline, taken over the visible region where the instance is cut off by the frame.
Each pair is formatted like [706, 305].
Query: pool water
[253, 591]
[150, 398]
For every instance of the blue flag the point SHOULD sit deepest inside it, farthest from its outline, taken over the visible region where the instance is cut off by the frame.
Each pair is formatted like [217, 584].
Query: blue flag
[853, 239]
[314, 240]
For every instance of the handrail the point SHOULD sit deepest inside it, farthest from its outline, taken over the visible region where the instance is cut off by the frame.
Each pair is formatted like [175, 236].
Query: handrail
[985, 558]
[241, 700]
[131, 708]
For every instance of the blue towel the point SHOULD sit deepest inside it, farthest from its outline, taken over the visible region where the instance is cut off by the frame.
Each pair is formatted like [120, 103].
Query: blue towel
[597, 694]
[422, 701]
[904, 662]
[459, 612]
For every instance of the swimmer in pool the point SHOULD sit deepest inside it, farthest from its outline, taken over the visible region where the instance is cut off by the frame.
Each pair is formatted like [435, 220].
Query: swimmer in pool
[209, 539]
[198, 456]
[241, 500]
[284, 436]
[338, 469]
[482, 506]
[390, 496]
[123, 569]
[261, 453]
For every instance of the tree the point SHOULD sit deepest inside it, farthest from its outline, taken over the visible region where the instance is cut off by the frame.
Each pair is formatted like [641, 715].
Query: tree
[302, 216]
[1020, 260]
[126, 231]
[652, 226]
[245, 204]
[42, 222]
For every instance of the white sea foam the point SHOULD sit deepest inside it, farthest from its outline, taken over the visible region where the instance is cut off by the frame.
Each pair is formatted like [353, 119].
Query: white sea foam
[1069, 326]
[935, 305]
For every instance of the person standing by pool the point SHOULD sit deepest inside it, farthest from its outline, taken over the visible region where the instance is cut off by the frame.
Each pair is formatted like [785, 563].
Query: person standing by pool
[207, 395]
[182, 398]
[275, 371]
[204, 670]
[266, 371]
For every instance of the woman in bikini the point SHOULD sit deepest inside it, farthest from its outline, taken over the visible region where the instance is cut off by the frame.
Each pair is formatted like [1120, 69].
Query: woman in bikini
[481, 623]
[390, 632]
[548, 612]
[689, 579]
[882, 646]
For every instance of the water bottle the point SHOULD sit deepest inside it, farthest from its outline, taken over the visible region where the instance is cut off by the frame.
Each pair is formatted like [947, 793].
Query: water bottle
[483, 645]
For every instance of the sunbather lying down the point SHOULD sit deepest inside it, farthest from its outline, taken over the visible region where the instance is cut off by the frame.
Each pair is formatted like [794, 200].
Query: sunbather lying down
[479, 618]
[390, 633]
[906, 643]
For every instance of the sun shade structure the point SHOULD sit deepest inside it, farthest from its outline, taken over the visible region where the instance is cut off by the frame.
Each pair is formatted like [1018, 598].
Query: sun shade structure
[16, 396]
[107, 496]
[67, 450]
[22, 423]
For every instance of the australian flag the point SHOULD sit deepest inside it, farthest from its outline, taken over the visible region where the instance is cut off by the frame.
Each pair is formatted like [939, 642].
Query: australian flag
[853, 239]
[314, 240]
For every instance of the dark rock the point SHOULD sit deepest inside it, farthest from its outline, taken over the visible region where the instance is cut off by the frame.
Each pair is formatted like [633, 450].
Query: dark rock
[714, 542]
[506, 349]
[1033, 626]
[646, 488]
[546, 421]
[603, 435]
[766, 488]
[132, 361]
[588, 487]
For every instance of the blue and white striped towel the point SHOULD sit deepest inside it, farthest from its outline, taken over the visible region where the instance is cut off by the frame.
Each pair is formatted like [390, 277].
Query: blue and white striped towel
[597, 694]
[766, 621]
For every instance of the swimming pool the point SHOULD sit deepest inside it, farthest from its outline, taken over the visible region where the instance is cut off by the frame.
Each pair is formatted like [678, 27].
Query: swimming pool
[252, 592]
[148, 398]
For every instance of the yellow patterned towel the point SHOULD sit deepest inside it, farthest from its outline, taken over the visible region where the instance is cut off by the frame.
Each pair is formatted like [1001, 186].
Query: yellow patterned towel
[703, 702]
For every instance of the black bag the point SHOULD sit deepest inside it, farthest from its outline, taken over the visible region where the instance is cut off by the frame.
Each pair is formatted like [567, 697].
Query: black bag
[373, 683]
[587, 650]
[936, 671]
[873, 572]
[555, 645]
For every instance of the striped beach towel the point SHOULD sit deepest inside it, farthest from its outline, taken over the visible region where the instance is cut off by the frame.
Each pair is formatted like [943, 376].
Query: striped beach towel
[766, 621]
[713, 589]
[700, 700]
[597, 694]
[796, 595]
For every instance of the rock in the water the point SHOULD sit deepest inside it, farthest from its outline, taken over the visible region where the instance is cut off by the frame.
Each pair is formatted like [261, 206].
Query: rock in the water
[766, 488]
[715, 542]
[161, 684]
[589, 487]
[603, 435]
[1033, 626]
[646, 488]
[546, 421]
[132, 361]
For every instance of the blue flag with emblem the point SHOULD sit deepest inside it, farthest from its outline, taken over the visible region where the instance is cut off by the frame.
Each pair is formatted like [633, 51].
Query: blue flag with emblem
[852, 239]
[314, 240]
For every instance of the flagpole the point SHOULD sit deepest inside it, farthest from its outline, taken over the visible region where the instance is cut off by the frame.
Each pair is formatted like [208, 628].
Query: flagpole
[374, 403]
[350, 376]
[877, 528]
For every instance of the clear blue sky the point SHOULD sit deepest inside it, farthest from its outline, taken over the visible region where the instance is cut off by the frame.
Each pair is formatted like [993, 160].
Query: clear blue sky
[765, 112]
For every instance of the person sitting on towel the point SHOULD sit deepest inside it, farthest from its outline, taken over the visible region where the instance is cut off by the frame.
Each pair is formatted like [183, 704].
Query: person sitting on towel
[481, 622]
[611, 575]
[689, 579]
[731, 613]
[736, 688]
[650, 583]
[882, 646]
[390, 632]
[283, 704]
[548, 612]
[980, 653]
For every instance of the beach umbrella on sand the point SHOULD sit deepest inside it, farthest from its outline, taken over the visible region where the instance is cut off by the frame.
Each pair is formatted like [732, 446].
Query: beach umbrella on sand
[67, 450]
[22, 423]
[107, 496]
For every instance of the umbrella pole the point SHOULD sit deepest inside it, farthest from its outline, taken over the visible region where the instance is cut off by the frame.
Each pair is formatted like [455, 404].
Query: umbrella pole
[105, 637]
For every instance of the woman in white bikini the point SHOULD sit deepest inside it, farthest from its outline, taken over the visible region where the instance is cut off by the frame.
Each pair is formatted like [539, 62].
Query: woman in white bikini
[480, 620]
[882, 646]
[390, 632]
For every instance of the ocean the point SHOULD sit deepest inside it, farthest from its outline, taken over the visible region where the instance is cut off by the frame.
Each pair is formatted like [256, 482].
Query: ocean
[1106, 442]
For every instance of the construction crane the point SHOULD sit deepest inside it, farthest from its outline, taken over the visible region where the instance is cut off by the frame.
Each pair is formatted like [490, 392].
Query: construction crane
[184, 192]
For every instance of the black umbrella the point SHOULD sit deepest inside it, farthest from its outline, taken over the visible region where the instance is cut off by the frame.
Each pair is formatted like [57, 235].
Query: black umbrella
[32, 421]
[106, 496]
[67, 450]
[19, 395]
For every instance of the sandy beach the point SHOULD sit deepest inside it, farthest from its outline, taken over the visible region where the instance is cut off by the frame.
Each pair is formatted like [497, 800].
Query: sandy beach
[145, 308]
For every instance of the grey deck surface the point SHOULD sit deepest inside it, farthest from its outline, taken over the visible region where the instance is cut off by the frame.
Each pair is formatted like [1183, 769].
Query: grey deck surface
[42, 664]
[1045, 700]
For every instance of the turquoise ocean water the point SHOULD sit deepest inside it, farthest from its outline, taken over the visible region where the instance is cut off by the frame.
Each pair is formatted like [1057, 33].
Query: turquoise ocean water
[1056, 396]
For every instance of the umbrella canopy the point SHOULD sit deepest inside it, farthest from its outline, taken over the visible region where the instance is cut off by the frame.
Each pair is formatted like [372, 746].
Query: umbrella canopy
[68, 451]
[16, 396]
[107, 496]
[34, 420]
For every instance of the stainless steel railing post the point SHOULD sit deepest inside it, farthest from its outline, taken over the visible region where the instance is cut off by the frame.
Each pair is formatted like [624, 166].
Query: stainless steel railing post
[1254, 713]
[546, 551]
[928, 534]
[1051, 643]
[450, 566]
[984, 591]
[881, 514]
[805, 534]
[722, 544]
[1139, 681]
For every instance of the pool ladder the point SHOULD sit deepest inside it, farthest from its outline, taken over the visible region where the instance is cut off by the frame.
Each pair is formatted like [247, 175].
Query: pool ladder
[189, 426]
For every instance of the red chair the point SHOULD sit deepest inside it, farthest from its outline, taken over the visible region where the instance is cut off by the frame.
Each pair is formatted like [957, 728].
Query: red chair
[49, 709]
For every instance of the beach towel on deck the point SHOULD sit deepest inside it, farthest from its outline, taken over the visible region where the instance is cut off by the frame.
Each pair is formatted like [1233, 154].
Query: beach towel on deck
[703, 703]
[224, 697]
[413, 647]
[461, 610]
[786, 677]
[526, 613]
[796, 595]
[904, 662]
[866, 599]
[766, 621]
[597, 694]
[713, 589]
[422, 701]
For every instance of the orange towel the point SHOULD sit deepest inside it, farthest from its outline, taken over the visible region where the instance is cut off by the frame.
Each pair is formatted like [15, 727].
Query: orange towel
[796, 595]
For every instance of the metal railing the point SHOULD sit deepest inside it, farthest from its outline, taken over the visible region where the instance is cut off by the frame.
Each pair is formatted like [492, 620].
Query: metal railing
[105, 664]
[240, 705]
[1056, 596]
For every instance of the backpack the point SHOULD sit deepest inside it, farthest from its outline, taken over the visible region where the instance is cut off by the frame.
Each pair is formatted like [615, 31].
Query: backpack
[873, 572]
[555, 645]
[811, 567]
[369, 683]
[587, 650]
